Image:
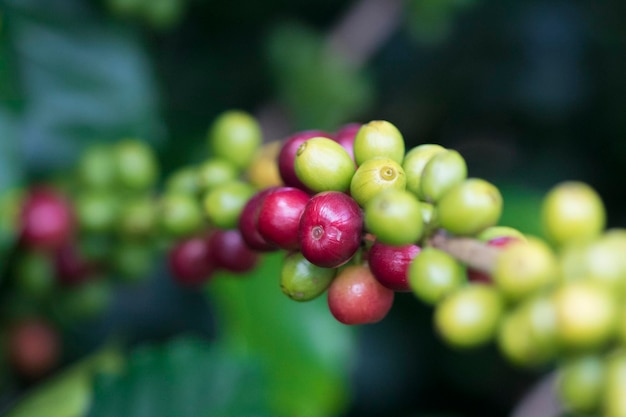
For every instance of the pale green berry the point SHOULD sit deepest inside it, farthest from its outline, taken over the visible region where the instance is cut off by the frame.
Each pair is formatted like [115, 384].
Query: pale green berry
[442, 172]
[378, 139]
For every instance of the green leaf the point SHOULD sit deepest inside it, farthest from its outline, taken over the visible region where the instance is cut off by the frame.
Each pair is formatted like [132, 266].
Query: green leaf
[186, 377]
[84, 78]
[432, 21]
[68, 394]
[316, 84]
[307, 354]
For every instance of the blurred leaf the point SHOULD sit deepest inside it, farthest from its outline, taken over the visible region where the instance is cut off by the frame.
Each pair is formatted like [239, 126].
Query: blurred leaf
[83, 78]
[306, 352]
[68, 394]
[320, 89]
[187, 377]
[432, 21]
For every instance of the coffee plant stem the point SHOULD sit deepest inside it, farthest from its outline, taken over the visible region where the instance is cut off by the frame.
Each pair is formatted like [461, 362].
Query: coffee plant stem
[473, 253]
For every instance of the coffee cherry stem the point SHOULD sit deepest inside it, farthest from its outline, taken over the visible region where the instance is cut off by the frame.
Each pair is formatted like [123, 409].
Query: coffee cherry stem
[471, 252]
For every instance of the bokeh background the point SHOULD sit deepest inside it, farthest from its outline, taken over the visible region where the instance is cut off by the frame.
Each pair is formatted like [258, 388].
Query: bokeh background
[530, 92]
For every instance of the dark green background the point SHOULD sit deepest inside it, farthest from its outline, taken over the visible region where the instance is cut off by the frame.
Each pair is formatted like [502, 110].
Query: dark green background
[530, 92]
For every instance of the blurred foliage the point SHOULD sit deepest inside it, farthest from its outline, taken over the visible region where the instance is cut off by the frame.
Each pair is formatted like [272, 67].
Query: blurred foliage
[69, 394]
[185, 377]
[432, 21]
[320, 89]
[304, 350]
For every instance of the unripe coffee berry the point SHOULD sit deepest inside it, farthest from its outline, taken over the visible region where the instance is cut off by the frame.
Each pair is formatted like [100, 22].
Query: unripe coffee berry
[572, 211]
[179, 214]
[375, 176]
[223, 204]
[214, 172]
[434, 274]
[287, 157]
[442, 172]
[301, 280]
[470, 207]
[586, 313]
[235, 136]
[414, 162]
[324, 165]
[395, 218]
[523, 268]
[378, 139]
[469, 317]
[137, 167]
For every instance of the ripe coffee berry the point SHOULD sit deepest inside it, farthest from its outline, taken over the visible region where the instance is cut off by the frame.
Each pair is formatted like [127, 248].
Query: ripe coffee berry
[330, 229]
[390, 264]
[46, 219]
[279, 217]
[356, 297]
[34, 348]
[190, 261]
[230, 252]
[345, 137]
[249, 222]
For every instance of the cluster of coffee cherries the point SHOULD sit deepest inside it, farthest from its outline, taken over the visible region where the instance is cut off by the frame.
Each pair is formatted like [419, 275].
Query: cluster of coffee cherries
[359, 218]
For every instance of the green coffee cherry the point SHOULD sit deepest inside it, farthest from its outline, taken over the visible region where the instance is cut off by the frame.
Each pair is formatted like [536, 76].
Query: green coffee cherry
[586, 314]
[527, 335]
[614, 400]
[442, 172]
[414, 162]
[581, 383]
[374, 176]
[214, 172]
[513, 342]
[603, 260]
[469, 317]
[469, 207]
[179, 214]
[395, 218]
[137, 167]
[621, 324]
[524, 268]
[235, 136]
[183, 180]
[324, 165]
[137, 218]
[300, 280]
[378, 139]
[97, 211]
[429, 217]
[433, 274]
[572, 211]
[97, 168]
[223, 204]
